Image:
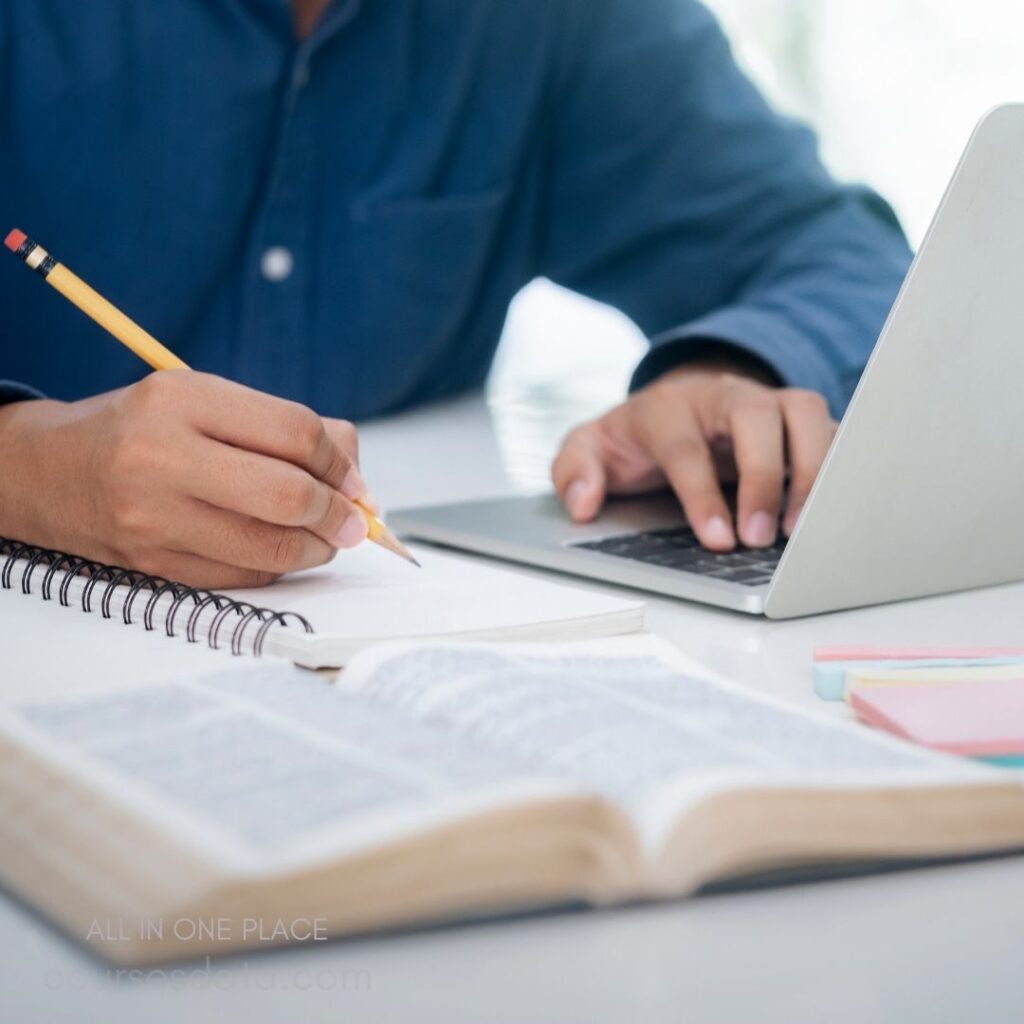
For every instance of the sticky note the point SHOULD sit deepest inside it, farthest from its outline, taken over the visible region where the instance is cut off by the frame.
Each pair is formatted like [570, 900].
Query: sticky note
[983, 717]
[1004, 760]
[832, 678]
[917, 673]
[865, 652]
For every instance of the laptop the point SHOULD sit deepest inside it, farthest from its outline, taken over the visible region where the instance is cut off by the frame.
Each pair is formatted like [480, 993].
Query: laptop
[922, 491]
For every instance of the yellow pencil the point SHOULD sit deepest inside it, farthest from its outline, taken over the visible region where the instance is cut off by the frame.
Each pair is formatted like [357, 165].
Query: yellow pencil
[145, 346]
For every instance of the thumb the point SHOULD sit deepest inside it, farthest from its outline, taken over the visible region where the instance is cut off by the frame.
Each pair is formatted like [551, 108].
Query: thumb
[579, 476]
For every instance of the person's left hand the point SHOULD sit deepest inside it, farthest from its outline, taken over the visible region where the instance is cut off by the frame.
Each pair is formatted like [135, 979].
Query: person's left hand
[693, 428]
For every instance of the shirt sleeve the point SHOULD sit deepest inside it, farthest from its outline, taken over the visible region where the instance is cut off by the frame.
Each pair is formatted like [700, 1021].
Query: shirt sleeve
[10, 391]
[677, 195]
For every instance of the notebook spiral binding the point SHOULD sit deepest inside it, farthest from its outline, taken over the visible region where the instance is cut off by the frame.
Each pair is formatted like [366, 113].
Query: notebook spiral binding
[107, 578]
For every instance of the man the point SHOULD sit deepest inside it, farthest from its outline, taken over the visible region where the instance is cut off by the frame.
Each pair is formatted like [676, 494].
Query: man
[328, 205]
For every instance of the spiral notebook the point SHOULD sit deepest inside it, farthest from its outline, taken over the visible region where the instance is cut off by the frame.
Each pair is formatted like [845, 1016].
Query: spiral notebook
[320, 618]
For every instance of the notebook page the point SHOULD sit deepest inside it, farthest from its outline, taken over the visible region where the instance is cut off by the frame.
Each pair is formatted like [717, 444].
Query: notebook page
[623, 720]
[367, 594]
[363, 596]
[273, 763]
[60, 650]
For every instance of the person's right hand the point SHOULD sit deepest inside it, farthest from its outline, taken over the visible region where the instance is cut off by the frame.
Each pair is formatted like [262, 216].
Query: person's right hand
[182, 475]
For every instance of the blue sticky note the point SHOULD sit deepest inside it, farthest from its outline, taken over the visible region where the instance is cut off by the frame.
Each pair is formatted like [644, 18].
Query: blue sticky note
[1004, 760]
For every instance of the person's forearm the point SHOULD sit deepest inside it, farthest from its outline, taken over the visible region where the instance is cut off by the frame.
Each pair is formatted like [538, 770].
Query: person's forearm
[679, 197]
[813, 309]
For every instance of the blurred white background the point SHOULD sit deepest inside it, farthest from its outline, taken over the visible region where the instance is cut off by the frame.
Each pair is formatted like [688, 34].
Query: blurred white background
[893, 87]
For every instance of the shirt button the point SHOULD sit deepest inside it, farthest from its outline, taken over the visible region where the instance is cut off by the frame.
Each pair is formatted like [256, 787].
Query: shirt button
[276, 263]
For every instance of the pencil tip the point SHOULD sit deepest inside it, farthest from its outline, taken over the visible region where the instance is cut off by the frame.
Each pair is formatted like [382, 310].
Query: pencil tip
[404, 552]
[386, 539]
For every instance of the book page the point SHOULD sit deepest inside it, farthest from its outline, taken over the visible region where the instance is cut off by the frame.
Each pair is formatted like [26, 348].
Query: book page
[276, 759]
[633, 727]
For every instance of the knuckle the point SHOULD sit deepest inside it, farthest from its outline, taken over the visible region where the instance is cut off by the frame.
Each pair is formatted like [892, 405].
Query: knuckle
[338, 467]
[305, 429]
[732, 389]
[295, 498]
[348, 436]
[286, 550]
[150, 387]
[648, 404]
[156, 389]
[757, 401]
[334, 512]
[127, 513]
[135, 454]
[730, 380]
[669, 386]
[686, 450]
[810, 402]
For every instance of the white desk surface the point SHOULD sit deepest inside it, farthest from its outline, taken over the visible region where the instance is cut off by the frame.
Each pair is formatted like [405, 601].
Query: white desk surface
[937, 944]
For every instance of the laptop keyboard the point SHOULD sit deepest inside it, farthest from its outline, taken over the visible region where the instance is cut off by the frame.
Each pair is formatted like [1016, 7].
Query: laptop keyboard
[679, 548]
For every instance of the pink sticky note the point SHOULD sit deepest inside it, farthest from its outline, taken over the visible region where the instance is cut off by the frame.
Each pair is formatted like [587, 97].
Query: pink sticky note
[864, 652]
[983, 717]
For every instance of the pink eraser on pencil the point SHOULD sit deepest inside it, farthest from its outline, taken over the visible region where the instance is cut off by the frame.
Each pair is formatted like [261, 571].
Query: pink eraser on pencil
[15, 240]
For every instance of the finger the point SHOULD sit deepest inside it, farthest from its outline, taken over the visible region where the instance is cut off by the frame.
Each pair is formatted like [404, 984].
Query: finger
[678, 445]
[578, 473]
[345, 435]
[809, 433]
[757, 438]
[273, 492]
[196, 571]
[257, 422]
[219, 535]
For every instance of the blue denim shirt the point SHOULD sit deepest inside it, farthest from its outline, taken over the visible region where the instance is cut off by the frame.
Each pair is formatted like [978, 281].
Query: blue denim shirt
[408, 168]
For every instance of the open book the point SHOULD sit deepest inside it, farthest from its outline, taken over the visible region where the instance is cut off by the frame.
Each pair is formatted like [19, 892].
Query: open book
[195, 816]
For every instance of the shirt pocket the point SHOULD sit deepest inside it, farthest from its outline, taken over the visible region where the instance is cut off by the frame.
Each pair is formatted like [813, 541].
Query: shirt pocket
[423, 267]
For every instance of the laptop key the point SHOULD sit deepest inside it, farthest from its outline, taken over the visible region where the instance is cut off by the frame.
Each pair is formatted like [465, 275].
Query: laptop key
[679, 549]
